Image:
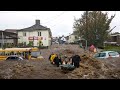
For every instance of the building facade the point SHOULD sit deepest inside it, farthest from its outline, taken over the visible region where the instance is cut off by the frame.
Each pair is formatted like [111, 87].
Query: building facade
[8, 39]
[36, 33]
[72, 38]
[114, 39]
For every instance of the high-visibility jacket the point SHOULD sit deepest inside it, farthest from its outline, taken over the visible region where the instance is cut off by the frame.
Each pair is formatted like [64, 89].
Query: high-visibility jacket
[52, 57]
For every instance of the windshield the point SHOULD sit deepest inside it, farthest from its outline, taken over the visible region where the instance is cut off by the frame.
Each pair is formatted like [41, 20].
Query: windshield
[100, 55]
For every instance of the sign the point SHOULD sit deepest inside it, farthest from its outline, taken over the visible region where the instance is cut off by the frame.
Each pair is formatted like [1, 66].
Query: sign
[40, 38]
[30, 38]
[33, 38]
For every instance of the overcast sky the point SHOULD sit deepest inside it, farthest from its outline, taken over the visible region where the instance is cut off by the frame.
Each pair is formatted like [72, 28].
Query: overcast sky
[60, 22]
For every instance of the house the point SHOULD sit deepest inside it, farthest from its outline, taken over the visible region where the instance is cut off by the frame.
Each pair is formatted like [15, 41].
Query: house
[114, 39]
[8, 39]
[72, 38]
[35, 34]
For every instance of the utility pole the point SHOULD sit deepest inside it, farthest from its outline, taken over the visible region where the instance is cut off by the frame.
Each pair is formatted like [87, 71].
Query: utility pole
[96, 37]
[86, 27]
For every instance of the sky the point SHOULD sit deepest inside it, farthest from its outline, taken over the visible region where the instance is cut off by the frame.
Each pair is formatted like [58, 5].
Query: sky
[60, 22]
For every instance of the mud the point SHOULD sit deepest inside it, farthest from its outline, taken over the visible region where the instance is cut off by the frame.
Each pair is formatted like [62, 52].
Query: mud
[90, 68]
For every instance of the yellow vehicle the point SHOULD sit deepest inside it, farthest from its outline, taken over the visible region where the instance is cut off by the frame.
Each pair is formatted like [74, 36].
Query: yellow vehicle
[24, 52]
[35, 49]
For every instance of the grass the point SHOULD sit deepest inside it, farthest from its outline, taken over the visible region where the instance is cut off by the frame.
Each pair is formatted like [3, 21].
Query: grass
[112, 48]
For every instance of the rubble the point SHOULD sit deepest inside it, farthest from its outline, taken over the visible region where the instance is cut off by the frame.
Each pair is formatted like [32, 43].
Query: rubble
[90, 68]
[15, 69]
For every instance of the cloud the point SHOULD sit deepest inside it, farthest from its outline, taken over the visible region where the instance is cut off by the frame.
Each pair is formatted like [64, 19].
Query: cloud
[60, 22]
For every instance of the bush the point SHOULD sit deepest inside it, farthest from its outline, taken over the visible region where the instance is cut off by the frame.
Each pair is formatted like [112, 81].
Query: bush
[43, 47]
[112, 48]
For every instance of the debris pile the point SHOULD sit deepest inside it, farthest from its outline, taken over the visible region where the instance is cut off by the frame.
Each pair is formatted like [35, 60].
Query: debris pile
[90, 68]
[15, 70]
[94, 69]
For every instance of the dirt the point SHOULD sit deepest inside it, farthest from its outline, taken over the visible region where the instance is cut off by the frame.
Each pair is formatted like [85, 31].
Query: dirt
[90, 68]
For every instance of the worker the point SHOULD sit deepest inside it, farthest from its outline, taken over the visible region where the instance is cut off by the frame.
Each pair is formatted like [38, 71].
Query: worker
[52, 57]
[56, 60]
[76, 61]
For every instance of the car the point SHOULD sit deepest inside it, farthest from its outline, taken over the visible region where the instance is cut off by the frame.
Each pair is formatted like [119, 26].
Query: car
[14, 57]
[106, 54]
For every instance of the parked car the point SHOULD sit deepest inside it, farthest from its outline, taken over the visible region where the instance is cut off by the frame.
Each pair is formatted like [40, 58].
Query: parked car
[14, 57]
[106, 54]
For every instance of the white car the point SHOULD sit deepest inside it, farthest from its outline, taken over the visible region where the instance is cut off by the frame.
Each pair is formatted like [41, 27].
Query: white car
[14, 58]
[106, 54]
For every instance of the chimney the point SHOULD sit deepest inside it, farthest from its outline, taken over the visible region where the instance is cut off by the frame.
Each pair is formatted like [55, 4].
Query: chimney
[37, 22]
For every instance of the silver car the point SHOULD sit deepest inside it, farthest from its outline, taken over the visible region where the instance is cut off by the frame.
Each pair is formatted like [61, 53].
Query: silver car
[106, 54]
[14, 58]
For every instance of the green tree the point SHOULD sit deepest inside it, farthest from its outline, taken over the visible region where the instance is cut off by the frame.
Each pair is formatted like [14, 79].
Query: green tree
[30, 43]
[94, 26]
[40, 44]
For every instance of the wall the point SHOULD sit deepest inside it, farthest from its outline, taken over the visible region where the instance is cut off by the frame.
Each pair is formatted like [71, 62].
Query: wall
[71, 38]
[44, 33]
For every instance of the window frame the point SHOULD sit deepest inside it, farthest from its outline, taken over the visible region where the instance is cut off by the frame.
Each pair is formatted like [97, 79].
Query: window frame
[24, 34]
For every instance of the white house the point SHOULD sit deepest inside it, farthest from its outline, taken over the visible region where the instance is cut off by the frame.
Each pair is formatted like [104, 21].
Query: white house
[35, 34]
[72, 38]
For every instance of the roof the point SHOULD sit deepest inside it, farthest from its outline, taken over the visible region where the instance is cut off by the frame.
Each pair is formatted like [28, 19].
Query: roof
[107, 51]
[115, 34]
[6, 34]
[36, 26]
[11, 30]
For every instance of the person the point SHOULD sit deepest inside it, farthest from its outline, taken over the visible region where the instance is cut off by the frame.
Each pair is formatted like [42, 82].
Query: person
[76, 61]
[65, 59]
[52, 57]
[56, 60]
[92, 47]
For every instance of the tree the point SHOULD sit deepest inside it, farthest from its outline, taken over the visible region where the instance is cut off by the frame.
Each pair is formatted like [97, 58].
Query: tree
[30, 44]
[94, 26]
[40, 44]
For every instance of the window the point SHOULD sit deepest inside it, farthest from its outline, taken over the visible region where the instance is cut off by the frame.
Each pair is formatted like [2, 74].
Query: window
[39, 33]
[102, 54]
[113, 53]
[24, 33]
[8, 58]
[97, 55]
[16, 58]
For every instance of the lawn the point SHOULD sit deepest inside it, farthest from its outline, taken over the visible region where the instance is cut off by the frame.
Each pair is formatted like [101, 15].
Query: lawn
[112, 48]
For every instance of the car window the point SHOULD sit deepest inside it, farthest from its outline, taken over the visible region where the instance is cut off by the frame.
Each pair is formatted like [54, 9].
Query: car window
[13, 58]
[102, 54]
[8, 58]
[113, 53]
[16, 58]
[97, 55]
[116, 53]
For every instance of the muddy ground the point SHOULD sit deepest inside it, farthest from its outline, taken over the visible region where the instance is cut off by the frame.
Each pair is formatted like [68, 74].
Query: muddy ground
[42, 69]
